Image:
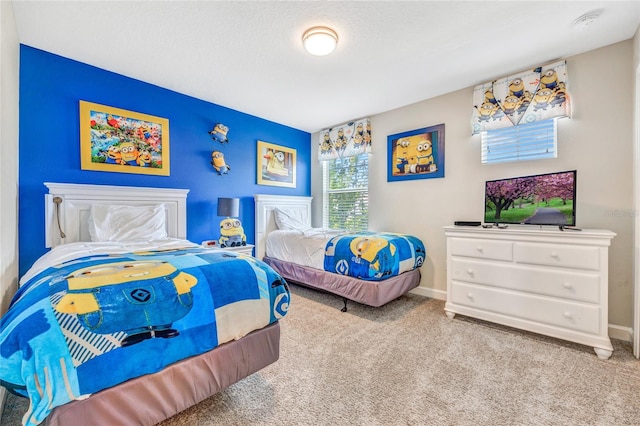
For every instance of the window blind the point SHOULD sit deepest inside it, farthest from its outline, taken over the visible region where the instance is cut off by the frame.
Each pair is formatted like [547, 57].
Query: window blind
[346, 193]
[523, 142]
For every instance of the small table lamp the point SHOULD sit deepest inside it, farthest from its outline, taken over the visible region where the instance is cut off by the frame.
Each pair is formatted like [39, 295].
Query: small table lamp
[231, 231]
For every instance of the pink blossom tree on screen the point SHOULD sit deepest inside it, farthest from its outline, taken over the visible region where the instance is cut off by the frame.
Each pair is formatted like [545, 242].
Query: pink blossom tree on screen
[504, 193]
[554, 186]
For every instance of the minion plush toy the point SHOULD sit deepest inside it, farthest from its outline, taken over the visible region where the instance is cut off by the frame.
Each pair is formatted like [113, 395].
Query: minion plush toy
[232, 233]
[219, 133]
[218, 163]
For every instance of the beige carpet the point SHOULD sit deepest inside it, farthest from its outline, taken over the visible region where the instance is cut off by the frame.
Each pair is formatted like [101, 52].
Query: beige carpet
[407, 364]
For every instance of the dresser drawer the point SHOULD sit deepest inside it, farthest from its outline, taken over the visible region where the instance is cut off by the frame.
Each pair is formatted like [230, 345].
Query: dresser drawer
[554, 312]
[583, 286]
[482, 249]
[566, 256]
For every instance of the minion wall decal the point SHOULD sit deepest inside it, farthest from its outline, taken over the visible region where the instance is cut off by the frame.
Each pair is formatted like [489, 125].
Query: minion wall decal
[219, 133]
[218, 163]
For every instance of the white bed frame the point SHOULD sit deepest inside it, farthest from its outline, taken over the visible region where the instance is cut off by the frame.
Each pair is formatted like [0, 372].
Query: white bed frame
[265, 222]
[73, 203]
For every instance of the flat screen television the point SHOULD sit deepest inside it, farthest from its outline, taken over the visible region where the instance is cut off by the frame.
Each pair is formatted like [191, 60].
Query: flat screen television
[544, 199]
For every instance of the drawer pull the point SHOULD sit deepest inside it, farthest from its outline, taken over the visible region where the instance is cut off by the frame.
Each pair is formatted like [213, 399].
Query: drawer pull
[480, 249]
[470, 296]
[567, 286]
[470, 272]
[568, 315]
[555, 255]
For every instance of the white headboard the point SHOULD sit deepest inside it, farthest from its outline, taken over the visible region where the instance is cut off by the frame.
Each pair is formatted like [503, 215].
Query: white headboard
[265, 221]
[75, 200]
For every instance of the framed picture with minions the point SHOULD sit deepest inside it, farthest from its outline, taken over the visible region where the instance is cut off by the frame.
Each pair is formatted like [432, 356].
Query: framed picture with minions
[276, 165]
[417, 154]
[117, 140]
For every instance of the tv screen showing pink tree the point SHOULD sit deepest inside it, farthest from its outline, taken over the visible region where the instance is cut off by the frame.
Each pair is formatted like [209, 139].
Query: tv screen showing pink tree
[545, 199]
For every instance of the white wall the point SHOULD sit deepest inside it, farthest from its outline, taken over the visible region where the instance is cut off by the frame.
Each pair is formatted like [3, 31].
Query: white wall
[597, 141]
[9, 81]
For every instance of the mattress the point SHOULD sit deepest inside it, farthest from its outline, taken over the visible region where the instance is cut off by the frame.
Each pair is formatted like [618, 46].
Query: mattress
[304, 248]
[373, 256]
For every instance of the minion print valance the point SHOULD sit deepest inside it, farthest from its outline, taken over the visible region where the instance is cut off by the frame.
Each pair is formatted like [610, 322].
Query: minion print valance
[346, 140]
[522, 98]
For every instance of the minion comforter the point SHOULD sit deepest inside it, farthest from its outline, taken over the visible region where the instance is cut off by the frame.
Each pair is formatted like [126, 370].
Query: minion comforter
[373, 256]
[91, 323]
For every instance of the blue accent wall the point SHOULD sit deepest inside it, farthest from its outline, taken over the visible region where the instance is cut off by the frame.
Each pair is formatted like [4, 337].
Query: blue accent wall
[49, 151]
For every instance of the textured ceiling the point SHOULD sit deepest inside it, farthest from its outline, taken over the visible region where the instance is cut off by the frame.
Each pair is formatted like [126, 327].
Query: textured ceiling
[248, 55]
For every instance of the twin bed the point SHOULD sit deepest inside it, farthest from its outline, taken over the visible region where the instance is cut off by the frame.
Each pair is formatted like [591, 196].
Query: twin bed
[110, 329]
[357, 267]
[124, 321]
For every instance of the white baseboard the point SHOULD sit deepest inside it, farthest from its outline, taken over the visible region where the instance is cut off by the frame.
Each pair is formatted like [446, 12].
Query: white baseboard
[621, 333]
[430, 292]
[615, 331]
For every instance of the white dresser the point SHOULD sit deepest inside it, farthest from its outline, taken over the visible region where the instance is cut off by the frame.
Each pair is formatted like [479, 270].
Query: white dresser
[546, 281]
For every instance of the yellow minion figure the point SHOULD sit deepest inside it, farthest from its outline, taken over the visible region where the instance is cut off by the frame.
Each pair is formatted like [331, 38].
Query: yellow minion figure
[372, 254]
[219, 133]
[425, 157]
[276, 164]
[232, 233]
[144, 159]
[358, 138]
[113, 155]
[516, 87]
[218, 163]
[141, 298]
[341, 141]
[130, 153]
[326, 145]
[367, 133]
[549, 80]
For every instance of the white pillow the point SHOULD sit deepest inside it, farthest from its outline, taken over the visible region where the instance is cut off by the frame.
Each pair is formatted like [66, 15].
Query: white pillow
[127, 223]
[291, 220]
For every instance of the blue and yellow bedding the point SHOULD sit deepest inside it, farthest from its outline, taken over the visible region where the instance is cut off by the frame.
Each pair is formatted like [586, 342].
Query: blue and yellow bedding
[373, 256]
[91, 323]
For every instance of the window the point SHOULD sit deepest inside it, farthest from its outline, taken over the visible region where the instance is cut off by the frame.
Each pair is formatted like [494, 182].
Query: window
[345, 190]
[522, 142]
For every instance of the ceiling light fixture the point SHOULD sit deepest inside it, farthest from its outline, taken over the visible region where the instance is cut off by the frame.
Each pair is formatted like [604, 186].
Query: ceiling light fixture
[320, 41]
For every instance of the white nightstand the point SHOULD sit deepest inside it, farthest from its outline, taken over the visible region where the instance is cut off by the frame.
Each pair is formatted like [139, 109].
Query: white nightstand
[247, 250]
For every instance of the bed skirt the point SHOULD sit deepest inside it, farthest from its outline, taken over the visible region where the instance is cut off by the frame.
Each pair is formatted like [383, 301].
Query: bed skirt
[371, 293]
[149, 399]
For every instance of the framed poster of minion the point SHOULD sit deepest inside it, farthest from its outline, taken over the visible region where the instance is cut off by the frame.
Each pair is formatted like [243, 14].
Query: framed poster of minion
[276, 165]
[117, 140]
[417, 154]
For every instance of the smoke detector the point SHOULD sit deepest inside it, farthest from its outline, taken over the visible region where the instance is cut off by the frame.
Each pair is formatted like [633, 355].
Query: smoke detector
[586, 20]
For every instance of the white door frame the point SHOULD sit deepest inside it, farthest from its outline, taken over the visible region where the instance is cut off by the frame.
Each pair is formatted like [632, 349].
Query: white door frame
[636, 262]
